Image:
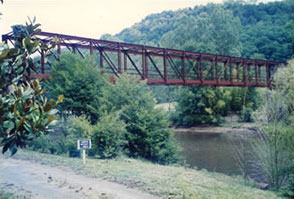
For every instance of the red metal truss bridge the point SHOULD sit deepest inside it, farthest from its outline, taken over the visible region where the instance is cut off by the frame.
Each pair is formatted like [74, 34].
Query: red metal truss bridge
[162, 66]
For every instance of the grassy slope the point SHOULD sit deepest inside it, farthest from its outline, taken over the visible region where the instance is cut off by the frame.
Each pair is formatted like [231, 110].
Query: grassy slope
[165, 181]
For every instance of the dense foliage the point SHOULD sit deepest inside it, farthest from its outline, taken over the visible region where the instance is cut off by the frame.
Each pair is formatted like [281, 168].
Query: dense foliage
[235, 28]
[122, 115]
[275, 144]
[266, 30]
[80, 83]
[147, 134]
[24, 111]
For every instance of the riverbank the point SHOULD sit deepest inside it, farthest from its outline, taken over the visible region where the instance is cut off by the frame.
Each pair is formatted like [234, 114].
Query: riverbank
[167, 182]
[230, 125]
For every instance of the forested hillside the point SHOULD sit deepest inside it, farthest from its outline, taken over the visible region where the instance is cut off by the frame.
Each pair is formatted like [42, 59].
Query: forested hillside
[258, 31]
[263, 31]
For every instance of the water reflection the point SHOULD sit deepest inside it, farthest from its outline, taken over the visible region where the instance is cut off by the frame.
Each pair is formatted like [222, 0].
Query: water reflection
[215, 152]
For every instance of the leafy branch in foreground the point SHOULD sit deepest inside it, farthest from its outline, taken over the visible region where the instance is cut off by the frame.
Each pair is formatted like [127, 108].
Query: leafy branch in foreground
[24, 111]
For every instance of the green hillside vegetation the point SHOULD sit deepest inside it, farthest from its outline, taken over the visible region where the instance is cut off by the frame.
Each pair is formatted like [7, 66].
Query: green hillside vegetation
[235, 28]
[266, 30]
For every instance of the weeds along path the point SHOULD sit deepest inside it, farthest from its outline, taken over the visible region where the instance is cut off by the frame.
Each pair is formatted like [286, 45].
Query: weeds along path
[45, 182]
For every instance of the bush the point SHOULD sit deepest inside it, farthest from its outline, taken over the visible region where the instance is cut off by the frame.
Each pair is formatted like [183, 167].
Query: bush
[107, 136]
[246, 115]
[47, 144]
[62, 139]
[139, 129]
[148, 135]
[201, 106]
[288, 189]
[273, 157]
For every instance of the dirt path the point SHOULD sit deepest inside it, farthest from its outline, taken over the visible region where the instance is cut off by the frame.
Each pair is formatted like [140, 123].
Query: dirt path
[45, 182]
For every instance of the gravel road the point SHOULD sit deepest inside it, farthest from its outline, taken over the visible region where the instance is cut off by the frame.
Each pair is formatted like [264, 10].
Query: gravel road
[45, 182]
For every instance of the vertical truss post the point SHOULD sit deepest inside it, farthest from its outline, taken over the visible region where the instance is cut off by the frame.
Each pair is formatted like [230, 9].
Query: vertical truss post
[144, 63]
[74, 49]
[91, 47]
[244, 72]
[256, 74]
[225, 70]
[183, 68]
[231, 70]
[267, 74]
[259, 73]
[101, 57]
[164, 66]
[119, 58]
[201, 69]
[125, 62]
[42, 62]
[216, 70]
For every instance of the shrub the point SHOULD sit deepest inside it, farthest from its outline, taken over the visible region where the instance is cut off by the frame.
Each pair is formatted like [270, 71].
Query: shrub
[62, 139]
[246, 115]
[148, 135]
[288, 189]
[273, 157]
[201, 105]
[47, 144]
[107, 136]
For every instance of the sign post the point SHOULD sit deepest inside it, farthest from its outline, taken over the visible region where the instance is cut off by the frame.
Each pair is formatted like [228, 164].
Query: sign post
[83, 145]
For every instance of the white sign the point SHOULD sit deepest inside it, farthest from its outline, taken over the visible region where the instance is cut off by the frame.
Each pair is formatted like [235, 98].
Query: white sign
[84, 144]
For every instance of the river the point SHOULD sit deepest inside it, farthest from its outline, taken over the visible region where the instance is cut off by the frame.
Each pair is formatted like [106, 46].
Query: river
[217, 152]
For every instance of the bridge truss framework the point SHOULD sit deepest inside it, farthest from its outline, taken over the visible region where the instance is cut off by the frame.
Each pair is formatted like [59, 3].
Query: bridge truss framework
[160, 65]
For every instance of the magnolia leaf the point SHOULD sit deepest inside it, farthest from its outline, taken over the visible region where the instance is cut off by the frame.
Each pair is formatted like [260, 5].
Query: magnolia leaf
[52, 112]
[60, 98]
[20, 123]
[3, 55]
[48, 106]
[8, 125]
[208, 110]
[13, 150]
[51, 118]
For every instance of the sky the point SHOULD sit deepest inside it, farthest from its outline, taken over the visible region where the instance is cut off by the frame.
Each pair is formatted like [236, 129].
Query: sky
[87, 18]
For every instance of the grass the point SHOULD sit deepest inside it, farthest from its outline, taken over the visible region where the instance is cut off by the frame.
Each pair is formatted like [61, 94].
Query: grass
[8, 192]
[168, 182]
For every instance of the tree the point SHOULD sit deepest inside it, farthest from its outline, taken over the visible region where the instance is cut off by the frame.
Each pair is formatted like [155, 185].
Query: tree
[108, 136]
[210, 32]
[80, 82]
[24, 111]
[213, 31]
[201, 106]
[275, 146]
[147, 135]
[284, 81]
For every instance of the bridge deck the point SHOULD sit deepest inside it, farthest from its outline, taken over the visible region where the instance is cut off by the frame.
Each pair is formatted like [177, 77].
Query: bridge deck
[160, 65]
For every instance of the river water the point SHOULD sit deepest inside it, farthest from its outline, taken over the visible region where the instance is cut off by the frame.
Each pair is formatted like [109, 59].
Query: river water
[217, 152]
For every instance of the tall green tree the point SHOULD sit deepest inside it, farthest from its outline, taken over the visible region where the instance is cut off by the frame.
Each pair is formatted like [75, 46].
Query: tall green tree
[80, 82]
[210, 32]
[216, 32]
[201, 106]
[148, 134]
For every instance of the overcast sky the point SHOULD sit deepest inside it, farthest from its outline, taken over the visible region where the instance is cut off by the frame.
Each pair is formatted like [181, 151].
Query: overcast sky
[89, 18]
